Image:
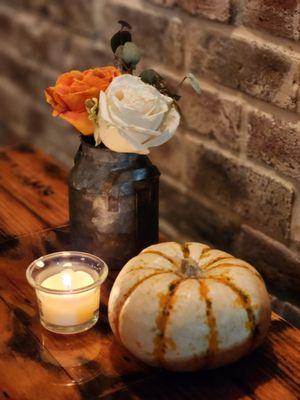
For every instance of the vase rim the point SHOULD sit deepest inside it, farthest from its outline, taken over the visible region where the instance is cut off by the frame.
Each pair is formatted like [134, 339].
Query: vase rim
[90, 147]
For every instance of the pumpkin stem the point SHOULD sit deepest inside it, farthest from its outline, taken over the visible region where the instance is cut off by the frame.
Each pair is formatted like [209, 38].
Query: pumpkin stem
[190, 268]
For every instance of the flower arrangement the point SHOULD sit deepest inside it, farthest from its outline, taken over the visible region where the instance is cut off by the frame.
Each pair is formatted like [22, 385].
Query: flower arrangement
[125, 112]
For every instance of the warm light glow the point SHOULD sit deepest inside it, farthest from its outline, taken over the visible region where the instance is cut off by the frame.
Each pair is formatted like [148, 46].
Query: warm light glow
[67, 280]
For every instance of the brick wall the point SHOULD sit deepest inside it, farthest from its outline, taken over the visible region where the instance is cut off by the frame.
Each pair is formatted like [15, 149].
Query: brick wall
[231, 176]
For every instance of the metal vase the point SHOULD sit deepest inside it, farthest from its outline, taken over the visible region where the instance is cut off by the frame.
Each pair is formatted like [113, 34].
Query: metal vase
[113, 203]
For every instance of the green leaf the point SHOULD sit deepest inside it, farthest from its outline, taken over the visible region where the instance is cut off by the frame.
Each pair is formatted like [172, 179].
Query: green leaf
[150, 76]
[194, 82]
[119, 38]
[131, 53]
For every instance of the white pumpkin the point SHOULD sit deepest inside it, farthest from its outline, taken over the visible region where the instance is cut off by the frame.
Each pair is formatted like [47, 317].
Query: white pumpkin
[185, 307]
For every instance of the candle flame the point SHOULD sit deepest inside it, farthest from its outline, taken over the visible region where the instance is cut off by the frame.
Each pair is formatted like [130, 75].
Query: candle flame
[67, 280]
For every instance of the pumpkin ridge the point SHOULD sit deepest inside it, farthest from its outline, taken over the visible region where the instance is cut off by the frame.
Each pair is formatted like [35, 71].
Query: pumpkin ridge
[210, 268]
[217, 259]
[205, 253]
[129, 293]
[143, 268]
[211, 322]
[245, 302]
[159, 253]
[221, 324]
[167, 302]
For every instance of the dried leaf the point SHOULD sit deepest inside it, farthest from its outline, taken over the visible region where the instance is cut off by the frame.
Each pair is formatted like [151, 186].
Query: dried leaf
[175, 96]
[91, 106]
[124, 24]
[194, 82]
[119, 38]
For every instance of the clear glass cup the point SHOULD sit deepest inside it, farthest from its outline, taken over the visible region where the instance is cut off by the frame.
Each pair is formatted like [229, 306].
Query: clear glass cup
[67, 285]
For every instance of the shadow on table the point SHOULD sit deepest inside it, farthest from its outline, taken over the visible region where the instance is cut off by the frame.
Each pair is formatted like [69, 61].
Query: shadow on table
[236, 381]
[115, 374]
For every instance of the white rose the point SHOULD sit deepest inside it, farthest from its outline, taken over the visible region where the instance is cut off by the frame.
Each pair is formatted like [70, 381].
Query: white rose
[134, 116]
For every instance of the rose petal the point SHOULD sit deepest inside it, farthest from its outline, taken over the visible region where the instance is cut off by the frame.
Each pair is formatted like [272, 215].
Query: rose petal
[168, 128]
[103, 108]
[76, 101]
[112, 137]
[134, 116]
[71, 90]
[80, 121]
[68, 77]
[106, 114]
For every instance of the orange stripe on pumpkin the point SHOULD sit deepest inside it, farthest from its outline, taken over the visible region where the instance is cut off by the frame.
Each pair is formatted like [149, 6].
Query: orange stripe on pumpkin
[212, 267]
[145, 268]
[205, 253]
[245, 302]
[211, 322]
[129, 293]
[166, 304]
[216, 259]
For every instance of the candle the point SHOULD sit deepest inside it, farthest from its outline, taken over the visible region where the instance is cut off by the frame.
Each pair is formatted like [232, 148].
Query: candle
[67, 286]
[71, 308]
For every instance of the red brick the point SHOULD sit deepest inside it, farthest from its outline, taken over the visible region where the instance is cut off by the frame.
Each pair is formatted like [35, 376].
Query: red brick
[159, 37]
[196, 220]
[279, 265]
[32, 79]
[15, 104]
[77, 15]
[84, 53]
[33, 122]
[170, 157]
[7, 24]
[280, 18]
[212, 116]
[28, 76]
[218, 10]
[35, 38]
[259, 199]
[275, 142]
[38, 40]
[260, 71]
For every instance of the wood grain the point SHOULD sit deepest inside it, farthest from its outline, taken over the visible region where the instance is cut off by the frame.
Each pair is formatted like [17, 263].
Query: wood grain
[269, 373]
[26, 365]
[36, 364]
[95, 360]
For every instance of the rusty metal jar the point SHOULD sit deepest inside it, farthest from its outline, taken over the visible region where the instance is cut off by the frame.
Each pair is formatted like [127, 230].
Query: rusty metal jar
[113, 202]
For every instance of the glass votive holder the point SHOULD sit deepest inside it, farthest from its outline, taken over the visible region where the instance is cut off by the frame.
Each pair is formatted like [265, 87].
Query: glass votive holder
[67, 285]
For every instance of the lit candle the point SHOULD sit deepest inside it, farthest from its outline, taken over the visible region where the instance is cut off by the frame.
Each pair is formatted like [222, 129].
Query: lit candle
[71, 308]
[67, 286]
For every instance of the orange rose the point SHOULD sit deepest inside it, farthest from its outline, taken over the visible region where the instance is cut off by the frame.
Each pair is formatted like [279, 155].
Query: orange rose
[71, 90]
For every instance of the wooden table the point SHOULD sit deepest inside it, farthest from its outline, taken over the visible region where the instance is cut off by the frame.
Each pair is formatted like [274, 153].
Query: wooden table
[35, 364]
